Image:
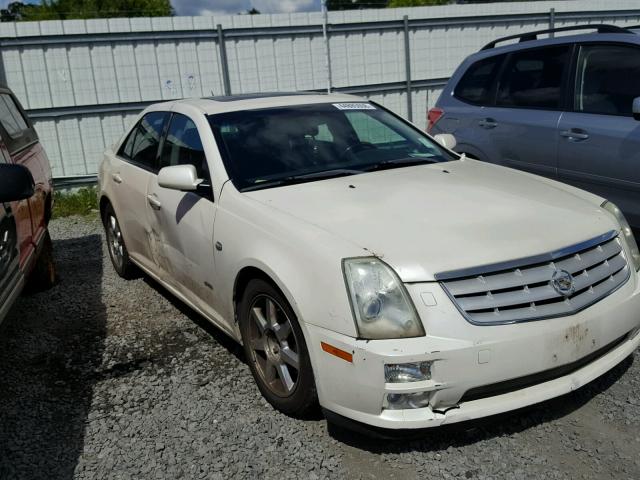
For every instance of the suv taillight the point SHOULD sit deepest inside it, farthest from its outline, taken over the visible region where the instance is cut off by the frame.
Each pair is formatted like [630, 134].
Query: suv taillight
[433, 116]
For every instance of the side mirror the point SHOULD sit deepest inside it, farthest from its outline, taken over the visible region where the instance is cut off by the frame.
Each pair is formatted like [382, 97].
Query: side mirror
[179, 177]
[446, 140]
[636, 108]
[16, 183]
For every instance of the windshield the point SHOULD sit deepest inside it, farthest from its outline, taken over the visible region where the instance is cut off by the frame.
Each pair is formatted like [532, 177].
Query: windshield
[277, 146]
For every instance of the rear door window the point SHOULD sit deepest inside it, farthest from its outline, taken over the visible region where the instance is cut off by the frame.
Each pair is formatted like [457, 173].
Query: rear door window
[607, 79]
[476, 84]
[534, 79]
[141, 147]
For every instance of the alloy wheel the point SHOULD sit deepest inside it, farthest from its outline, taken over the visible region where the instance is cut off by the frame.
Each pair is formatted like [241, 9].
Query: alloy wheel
[114, 240]
[274, 346]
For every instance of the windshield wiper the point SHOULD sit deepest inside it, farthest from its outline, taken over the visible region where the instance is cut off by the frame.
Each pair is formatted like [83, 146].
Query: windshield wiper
[304, 177]
[397, 162]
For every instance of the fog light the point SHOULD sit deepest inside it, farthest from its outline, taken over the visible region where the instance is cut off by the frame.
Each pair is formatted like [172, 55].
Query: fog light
[406, 401]
[407, 372]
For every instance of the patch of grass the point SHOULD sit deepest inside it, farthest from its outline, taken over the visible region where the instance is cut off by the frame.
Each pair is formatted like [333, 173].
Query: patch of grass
[83, 201]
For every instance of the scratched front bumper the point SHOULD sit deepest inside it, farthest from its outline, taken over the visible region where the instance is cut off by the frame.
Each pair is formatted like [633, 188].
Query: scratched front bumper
[467, 356]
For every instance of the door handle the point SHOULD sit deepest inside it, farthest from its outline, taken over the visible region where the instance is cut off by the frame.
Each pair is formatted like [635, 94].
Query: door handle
[116, 178]
[154, 202]
[574, 135]
[488, 123]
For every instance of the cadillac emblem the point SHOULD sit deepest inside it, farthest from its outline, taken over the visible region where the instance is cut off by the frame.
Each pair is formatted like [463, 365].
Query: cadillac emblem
[562, 282]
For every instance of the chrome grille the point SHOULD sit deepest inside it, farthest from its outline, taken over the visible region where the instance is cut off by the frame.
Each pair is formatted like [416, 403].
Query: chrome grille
[523, 290]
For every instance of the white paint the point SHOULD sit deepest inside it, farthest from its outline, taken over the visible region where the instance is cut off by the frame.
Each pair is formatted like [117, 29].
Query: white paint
[422, 221]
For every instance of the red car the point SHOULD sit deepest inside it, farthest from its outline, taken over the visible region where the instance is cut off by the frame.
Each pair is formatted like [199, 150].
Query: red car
[26, 200]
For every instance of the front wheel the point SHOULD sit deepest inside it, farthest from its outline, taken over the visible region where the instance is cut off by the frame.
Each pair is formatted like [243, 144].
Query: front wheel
[275, 350]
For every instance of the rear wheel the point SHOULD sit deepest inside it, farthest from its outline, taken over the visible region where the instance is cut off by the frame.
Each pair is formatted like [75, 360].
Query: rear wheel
[276, 351]
[115, 243]
[43, 275]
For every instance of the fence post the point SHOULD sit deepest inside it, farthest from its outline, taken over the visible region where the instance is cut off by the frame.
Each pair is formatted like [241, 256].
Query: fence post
[552, 21]
[224, 64]
[327, 50]
[407, 68]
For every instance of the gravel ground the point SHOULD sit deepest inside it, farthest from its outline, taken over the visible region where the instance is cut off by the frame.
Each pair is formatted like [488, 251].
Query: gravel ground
[106, 378]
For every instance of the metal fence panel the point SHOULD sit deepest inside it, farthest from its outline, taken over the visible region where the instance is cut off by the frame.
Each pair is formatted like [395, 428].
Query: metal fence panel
[84, 80]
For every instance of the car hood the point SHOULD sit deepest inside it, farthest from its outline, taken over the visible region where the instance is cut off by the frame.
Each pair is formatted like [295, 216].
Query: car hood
[435, 218]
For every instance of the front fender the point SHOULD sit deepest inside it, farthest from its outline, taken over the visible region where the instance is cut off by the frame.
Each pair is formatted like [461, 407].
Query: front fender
[304, 261]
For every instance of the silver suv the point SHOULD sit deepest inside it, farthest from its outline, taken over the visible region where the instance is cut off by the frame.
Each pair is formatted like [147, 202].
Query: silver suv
[566, 107]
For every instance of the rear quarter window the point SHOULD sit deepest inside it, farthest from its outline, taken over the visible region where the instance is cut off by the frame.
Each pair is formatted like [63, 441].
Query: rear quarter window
[476, 85]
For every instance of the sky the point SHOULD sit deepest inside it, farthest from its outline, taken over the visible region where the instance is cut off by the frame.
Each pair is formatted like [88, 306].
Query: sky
[217, 7]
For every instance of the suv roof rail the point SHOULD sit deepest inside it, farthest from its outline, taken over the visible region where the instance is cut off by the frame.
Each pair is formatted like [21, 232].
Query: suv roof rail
[525, 37]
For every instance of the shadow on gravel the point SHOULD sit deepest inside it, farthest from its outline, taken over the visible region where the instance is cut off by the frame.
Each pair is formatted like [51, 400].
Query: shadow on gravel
[214, 332]
[49, 354]
[466, 433]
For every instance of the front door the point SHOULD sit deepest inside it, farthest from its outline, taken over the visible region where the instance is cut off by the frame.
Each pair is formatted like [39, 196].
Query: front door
[599, 139]
[182, 222]
[9, 255]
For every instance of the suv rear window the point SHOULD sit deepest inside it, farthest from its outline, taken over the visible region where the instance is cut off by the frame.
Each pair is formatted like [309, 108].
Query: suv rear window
[533, 78]
[475, 84]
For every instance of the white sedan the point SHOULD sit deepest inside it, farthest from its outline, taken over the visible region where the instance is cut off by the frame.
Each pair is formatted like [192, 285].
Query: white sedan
[364, 265]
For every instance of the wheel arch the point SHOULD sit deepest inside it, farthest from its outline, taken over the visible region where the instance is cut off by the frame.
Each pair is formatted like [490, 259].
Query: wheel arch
[48, 208]
[104, 201]
[256, 270]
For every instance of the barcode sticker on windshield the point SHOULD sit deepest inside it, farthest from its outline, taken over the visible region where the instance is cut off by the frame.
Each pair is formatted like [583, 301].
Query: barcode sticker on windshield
[354, 106]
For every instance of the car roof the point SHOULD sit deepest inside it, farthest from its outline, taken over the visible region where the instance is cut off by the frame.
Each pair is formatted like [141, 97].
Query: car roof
[629, 35]
[254, 101]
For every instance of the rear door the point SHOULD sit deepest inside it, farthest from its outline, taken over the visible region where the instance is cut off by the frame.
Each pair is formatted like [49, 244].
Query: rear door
[599, 139]
[469, 106]
[529, 98]
[136, 163]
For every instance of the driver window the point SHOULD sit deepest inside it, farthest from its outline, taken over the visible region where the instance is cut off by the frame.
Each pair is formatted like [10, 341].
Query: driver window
[183, 146]
[370, 130]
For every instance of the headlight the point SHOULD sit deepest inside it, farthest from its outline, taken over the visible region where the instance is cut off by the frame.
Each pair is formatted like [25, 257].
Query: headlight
[381, 305]
[626, 231]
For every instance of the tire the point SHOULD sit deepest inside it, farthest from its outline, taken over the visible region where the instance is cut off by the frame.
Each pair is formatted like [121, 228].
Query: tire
[276, 353]
[115, 245]
[43, 276]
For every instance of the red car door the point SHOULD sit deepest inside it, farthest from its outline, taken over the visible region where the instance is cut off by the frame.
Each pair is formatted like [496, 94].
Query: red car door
[20, 145]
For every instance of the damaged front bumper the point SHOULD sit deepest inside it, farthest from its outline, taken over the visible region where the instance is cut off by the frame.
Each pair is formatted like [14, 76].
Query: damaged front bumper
[475, 371]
